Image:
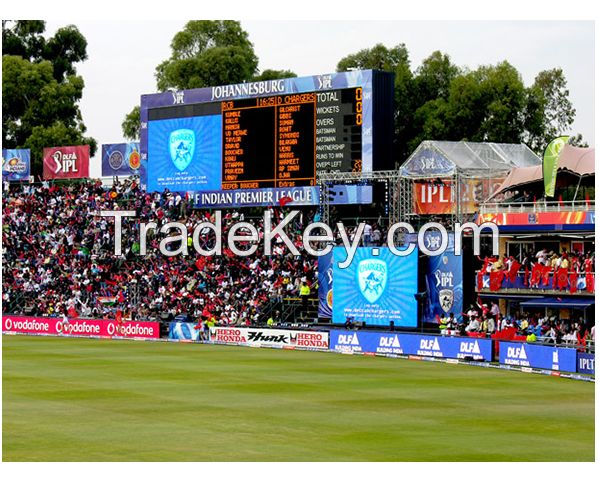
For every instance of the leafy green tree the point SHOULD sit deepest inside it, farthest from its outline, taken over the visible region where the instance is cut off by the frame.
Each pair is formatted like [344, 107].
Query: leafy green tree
[432, 82]
[395, 60]
[549, 111]
[577, 140]
[433, 78]
[486, 104]
[440, 101]
[131, 124]
[208, 53]
[205, 53]
[40, 88]
[23, 38]
[274, 75]
[379, 57]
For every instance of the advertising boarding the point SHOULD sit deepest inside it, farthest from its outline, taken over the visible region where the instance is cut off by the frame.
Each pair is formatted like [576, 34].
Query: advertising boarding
[376, 288]
[277, 338]
[388, 343]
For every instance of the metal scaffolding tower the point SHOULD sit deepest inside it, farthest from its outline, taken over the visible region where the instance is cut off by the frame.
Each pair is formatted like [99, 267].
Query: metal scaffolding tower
[396, 211]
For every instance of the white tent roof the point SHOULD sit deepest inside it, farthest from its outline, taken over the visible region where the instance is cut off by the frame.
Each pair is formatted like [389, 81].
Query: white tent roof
[468, 158]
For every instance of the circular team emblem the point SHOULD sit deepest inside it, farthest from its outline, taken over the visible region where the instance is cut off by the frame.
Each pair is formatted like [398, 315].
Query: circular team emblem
[115, 160]
[134, 160]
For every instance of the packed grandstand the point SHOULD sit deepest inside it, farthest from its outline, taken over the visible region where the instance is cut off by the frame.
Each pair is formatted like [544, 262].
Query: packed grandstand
[532, 282]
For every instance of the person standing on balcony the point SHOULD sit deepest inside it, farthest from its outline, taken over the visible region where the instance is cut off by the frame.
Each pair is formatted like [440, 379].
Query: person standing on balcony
[542, 256]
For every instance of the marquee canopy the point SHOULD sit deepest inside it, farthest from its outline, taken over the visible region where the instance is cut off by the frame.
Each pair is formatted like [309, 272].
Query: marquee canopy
[578, 161]
[476, 160]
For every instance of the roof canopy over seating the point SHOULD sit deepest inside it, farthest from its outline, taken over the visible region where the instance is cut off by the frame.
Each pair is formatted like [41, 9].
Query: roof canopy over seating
[475, 160]
[577, 161]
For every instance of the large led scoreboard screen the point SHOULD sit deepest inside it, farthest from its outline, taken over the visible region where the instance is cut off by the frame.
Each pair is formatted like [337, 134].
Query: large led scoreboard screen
[279, 141]
[253, 143]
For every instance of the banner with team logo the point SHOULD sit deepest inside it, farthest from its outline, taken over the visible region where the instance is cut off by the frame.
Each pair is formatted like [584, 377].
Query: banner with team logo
[66, 162]
[183, 331]
[325, 286]
[438, 196]
[79, 327]
[124, 159]
[16, 164]
[276, 338]
[184, 154]
[376, 288]
[411, 344]
[444, 284]
[538, 356]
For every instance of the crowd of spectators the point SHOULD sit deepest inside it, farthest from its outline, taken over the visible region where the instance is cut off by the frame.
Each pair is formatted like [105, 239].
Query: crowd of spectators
[58, 258]
[483, 319]
[574, 260]
[547, 269]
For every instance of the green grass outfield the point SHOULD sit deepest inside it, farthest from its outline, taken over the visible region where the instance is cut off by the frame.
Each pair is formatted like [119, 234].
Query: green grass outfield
[101, 400]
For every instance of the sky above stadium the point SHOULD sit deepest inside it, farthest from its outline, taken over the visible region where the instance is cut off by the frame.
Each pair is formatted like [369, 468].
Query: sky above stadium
[123, 55]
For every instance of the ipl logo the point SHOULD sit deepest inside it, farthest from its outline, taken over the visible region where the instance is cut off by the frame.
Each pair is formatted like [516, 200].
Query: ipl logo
[182, 144]
[372, 278]
[178, 97]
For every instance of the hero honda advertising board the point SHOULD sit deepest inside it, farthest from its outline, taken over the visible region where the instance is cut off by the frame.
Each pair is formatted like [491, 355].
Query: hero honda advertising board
[277, 338]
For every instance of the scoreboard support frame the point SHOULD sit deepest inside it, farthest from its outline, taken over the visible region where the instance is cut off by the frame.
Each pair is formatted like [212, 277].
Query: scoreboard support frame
[392, 177]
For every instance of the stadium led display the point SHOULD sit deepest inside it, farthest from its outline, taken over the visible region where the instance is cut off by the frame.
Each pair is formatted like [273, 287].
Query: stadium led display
[375, 288]
[269, 135]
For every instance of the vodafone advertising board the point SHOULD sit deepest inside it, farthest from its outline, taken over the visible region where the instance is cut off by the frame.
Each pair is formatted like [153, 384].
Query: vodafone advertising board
[80, 327]
[277, 338]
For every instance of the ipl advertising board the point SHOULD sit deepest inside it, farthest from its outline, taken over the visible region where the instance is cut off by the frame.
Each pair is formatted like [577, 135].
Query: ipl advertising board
[376, 287]
[124, 159]
[16, 164]
[444, 283]
[66, 162]
[325, 286]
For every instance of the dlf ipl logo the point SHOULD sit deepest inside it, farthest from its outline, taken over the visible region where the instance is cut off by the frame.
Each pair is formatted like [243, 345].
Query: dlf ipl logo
[372, 278]
[182, 143]
[65, 162]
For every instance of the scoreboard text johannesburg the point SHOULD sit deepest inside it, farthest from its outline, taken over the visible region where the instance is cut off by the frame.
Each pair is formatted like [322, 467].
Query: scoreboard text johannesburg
[272, 140]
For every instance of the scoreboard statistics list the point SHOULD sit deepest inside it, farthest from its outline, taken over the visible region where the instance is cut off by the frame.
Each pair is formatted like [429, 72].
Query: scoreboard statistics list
[281, 141]
[252, 143]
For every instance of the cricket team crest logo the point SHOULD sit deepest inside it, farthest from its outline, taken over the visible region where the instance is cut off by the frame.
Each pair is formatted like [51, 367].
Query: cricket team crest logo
[446, 299]
[182, 143]
[372, 278]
